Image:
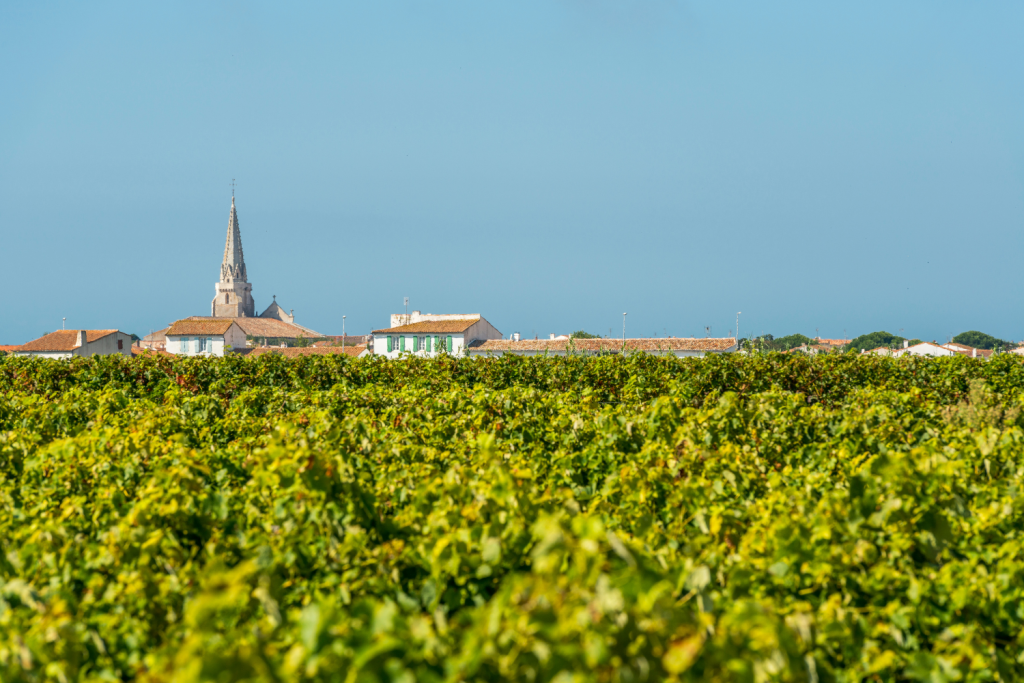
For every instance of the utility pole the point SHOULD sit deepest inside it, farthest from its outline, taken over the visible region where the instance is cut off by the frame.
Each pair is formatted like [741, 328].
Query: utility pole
[343, 331]
[623, 331]
[738, 326]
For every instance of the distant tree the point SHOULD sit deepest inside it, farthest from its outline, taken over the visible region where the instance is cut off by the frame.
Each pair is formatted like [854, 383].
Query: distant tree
[301, 341]
[980, 340]
[136, 338]
[580, 334]
[789, 342]
[878, 339]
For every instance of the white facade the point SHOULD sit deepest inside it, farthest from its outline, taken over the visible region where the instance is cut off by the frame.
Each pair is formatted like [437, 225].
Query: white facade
[83, 343]
[208, 344]
[428, 337]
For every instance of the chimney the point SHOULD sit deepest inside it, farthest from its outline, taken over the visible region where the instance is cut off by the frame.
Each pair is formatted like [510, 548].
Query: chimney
[974, 353]
[552, 336]
[515, 336]
[906, 343]
[80, 340]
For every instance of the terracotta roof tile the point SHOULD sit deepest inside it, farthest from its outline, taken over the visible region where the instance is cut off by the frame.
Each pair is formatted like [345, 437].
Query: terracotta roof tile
[141, 351]
[62, 340]
[656, 344]
[189, 327]
[432, 327]
[266, 327]
[295, 352]
[7, 348]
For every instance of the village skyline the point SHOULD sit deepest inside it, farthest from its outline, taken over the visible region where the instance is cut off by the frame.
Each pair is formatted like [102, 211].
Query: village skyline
[549, 166]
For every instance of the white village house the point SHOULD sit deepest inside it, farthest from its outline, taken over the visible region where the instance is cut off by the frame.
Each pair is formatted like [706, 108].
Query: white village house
[670, 346]
[426, 334]
[205, 337]
[84, 343]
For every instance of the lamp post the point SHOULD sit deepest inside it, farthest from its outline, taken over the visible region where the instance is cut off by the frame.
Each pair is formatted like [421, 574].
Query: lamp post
[623, 331]
[62, 321]
[738, 326]
[343, 331]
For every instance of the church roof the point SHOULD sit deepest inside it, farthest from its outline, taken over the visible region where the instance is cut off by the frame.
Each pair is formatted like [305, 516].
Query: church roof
[267, 327]
[200, 326]
[432, 326]
[62, 340]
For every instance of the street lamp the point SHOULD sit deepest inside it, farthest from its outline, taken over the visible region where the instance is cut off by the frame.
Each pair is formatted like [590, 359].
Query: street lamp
[62, 321]
[623, 330]
[738, 326]
[343, 331]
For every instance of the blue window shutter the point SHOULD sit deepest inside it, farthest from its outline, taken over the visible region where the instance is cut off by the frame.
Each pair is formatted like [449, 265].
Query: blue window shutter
[184, 344]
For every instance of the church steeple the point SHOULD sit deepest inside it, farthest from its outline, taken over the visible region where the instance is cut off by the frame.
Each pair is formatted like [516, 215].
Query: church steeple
[232, 269]
[233, 297]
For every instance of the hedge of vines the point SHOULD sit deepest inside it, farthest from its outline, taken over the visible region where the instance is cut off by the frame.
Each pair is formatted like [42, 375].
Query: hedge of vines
[762, 518]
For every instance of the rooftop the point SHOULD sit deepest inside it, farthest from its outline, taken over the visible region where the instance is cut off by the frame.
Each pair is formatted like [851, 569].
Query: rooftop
[433, 327]
[191, 326]
[62, 340]
[295, 352]
[655, 344]
[266, 327]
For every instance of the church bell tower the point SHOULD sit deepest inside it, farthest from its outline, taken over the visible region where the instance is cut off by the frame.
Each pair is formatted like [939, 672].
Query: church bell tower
[233, 297]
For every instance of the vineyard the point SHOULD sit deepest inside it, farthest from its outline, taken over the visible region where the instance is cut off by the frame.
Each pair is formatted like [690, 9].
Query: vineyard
[763, 518]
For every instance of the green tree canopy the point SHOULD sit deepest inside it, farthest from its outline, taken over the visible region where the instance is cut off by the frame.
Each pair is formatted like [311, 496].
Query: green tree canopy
[980, 340]
[580, 334]
[789, 342]
[874, 340]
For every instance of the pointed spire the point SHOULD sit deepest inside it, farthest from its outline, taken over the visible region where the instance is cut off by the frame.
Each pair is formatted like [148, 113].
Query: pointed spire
[233, 267]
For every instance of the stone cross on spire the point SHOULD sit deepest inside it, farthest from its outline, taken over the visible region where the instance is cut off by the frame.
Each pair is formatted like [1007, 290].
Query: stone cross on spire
[232, 269]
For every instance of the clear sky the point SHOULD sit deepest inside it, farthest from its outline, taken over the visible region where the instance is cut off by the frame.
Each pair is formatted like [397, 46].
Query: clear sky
[818, 166]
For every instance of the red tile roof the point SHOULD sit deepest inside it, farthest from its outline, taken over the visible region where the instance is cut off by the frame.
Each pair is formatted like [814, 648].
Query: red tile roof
[62, 340]
[191, 326]
[142, 350]
[432, 327]
[266, 327]
[7, 348]
[710, 344]
[294, 352]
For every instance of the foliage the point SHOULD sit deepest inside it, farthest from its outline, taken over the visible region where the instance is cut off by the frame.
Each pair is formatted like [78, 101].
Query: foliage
[301, 342]
[875, 340]
[581, 334]
[784, 343]
[732, 518]
[980, 340]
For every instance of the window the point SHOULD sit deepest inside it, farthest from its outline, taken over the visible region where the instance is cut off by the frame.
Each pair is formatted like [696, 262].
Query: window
[225, 298]
[202, 345]
[209, 344]
[120, 344]
[184, 344]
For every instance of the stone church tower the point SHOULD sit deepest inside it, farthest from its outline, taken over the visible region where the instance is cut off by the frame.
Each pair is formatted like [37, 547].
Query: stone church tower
[234, 293]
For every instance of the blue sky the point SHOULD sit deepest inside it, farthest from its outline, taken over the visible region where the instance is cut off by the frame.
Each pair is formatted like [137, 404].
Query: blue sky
[818, 166]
